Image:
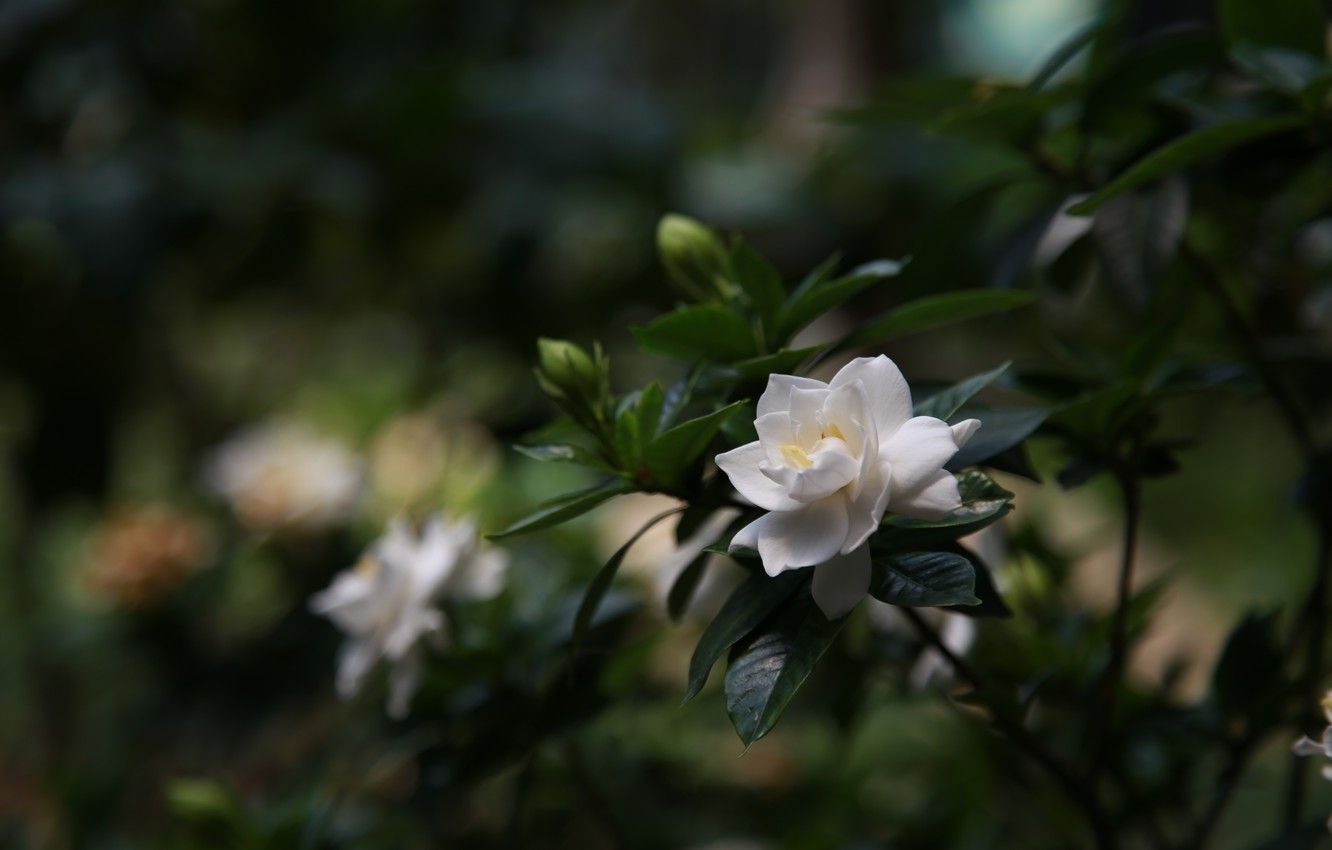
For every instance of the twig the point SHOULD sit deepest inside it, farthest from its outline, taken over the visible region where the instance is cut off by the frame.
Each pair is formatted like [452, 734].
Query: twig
[1111, 679]
[1072, 786]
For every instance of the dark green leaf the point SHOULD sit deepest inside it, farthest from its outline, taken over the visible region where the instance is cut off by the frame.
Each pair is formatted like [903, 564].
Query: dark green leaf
[563, 452]
[768, 670]
[682, 589]
[943, 405]
[919, 579]
[628, 444]
[565, 508]
[933, 311]
[650, 405]
[1137, 236]
[747, 607]
[671, 453]
[1071, 47]
[711, 332]
[806, 305]
[991, 603]
[1296, 24]
[780, 362]
[758, 280]
[601, 582]
[1000, 430]
[1187, 151]
[983, 502]
[1246, 678]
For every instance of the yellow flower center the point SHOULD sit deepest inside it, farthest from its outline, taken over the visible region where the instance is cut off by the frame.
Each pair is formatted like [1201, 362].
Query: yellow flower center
[796, 456]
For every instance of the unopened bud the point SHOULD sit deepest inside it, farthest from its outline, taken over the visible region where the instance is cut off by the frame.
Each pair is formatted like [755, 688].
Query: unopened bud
[693, 256]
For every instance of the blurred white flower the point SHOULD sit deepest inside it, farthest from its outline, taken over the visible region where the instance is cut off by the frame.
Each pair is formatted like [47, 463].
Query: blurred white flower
[829, 461]
[1307, 746]
[282, 476]
[388, 603]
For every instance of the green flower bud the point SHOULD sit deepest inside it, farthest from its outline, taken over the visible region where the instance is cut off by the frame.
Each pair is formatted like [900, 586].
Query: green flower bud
[693, 256]
[566, 367]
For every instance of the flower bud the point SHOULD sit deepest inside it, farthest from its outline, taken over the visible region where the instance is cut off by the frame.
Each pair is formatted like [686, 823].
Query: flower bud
[693, 256]
[577, 381]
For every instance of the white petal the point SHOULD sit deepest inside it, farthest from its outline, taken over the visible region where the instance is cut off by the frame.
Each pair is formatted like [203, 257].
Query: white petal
[481, 576]
[866, 510]
[404, 679]
[355, 659]
[841, 582]
[918, 451]
[742, 467]
[1306, 746]
[831, 469]
[774, 431]
[777, 396]
[963, 431]
[886, 390]
[845, 408]
[807, 414]
[802, 538]
[934, 499]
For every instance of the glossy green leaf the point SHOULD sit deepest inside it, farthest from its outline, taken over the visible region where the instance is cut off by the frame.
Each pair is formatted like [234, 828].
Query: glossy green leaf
[808, 304]
[671, 453]
[601, 582]
[749, 605]
[712, 332]
[1187, 151]
[770, 667]
[757, 278]
[934, 311]
[919, 579]
[942, 405]
[1001, 429]
[983, 502]
[991, 603]
[565, 508]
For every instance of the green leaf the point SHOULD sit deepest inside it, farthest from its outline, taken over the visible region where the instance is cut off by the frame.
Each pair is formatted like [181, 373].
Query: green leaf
[920, 579]
[650, 406]
[682, 589]
[565, 508]
[1187, 151]
[943, 404]
[808, 304]
[601, 582]
[1297, 24]
[671, 453]
[757, 278]
[628, 444]
[779, 362]
[768, 670]
[710, 332]
[1246, 679]
[565, 453]
[1001, 429]
[991, 603]
[1071, 47]
[1137, 236]
[749, 605]
[983, 502]
[934, 311]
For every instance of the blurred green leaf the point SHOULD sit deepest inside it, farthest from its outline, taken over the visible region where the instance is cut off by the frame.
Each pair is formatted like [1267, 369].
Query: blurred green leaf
[601, 582]
[767, 671]
[1072, 46]
[682, 589]
[782, 362]
[711, 332]
[749, 605]
[1247, 676]
[1296, 24]
[757, 278]
[934, 311]
[923, 579]
[1187, 151]
[943, 404]
[1137, 236]
[671, 453]
[565, 508]
[808, 303]
[1001, 429]
[650, 405]
[564, 452]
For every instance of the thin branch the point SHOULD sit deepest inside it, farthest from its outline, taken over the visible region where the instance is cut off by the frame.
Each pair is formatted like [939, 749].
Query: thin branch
[1035, 749]
[1113, 676]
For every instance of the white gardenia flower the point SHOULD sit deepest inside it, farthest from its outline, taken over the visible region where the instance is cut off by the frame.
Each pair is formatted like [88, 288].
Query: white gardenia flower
[388, 603]
[1307, 746]
[829, 461]
[284, 477]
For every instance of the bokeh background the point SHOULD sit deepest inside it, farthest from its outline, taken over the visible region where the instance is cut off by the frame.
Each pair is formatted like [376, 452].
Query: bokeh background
[273, 273]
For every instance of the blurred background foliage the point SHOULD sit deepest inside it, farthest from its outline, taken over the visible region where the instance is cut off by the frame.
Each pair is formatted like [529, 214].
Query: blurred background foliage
[338, 228]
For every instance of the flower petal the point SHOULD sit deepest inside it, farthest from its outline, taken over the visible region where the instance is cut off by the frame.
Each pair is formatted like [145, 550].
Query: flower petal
[807, 414]
[886, 390]
[936, 498]
[1306, 746]
[404, 679]
[481, 576]
[865, 511]
[742, 467]
[963, 431]
[831, 469]
[918, 451]
[775, 430]
[789, 539]
[841, 582]
[777, 396]
[355, 659]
